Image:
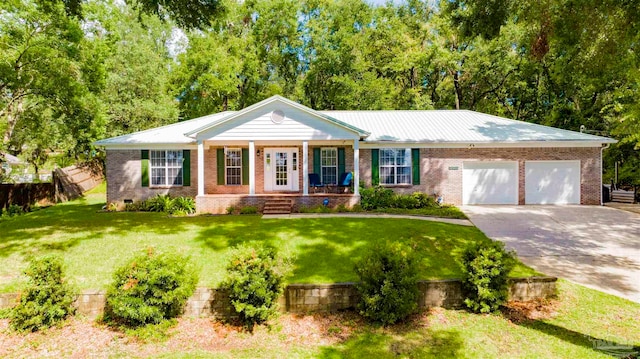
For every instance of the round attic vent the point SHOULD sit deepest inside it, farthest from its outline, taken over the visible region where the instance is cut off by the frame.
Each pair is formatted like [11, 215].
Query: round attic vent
[277, 116]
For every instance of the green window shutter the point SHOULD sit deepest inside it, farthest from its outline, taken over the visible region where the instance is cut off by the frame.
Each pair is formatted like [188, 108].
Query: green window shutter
[144, 162]
[186, 168]
[316, 160]
[220, 165]
[375, 167]
[245, 166]
[341, 164]
[415, 163]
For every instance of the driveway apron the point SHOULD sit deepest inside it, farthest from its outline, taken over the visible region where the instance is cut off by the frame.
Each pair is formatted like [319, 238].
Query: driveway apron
[595, 246]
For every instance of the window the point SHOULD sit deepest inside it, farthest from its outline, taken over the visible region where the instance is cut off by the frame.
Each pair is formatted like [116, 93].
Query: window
[329, 165]
[233, 165]
[395, 166]
[166, 167]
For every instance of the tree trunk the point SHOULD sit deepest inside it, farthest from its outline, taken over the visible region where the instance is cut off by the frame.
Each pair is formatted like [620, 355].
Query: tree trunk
[13, 112]
[456, 84]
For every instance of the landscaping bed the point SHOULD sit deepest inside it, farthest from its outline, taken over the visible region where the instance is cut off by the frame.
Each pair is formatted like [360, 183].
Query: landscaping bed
[570, 327]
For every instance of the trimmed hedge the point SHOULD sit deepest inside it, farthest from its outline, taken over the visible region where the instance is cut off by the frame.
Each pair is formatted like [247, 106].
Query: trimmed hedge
[255, 280]
[47, 299]
[486, 267]
[150, 289]
[388, 284]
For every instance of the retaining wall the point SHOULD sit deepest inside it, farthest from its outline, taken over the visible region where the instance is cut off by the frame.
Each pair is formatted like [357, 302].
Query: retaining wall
[302, 298]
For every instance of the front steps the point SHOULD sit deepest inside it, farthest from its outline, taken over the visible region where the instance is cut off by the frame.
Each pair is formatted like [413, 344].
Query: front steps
[623, 196]
[278, 206]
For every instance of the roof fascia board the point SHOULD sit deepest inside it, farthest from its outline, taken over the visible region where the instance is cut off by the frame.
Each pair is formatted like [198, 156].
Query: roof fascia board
[533, 144]
[150, 146]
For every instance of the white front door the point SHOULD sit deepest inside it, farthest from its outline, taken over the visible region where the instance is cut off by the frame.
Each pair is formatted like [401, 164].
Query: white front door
[281, 169]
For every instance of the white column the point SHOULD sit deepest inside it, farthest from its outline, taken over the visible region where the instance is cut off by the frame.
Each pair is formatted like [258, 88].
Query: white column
[252, 168]
[356, 167]
[305, 168]
[200, 168]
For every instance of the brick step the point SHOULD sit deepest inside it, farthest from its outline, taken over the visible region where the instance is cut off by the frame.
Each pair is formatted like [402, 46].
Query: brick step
[278, 206]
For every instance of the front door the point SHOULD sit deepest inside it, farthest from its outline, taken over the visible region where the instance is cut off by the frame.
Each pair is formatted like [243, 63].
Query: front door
[281, 169]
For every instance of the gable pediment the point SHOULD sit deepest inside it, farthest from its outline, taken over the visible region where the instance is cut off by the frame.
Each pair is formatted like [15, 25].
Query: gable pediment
[277, 119]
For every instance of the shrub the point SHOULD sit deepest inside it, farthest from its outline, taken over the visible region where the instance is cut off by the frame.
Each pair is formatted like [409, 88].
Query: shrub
[388, 284]
[380, 197]
[249, 210]
[12, 210]
[424, 200]
[486, 267]
[47, 299]
[376, 197]
[232, 210]
[182, 206]
[255, 279]
[150, 289]
[159, 203]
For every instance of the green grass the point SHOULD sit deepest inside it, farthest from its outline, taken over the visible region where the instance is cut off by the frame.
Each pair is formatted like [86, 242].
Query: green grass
[583, 317]
[93, 243]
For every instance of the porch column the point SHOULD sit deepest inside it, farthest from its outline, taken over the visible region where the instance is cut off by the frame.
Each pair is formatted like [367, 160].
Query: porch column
[305, 168]
[356, 167]
[252, 168]
[200, 168]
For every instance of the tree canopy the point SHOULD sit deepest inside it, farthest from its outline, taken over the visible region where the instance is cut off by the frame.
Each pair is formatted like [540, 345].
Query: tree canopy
[73, 71]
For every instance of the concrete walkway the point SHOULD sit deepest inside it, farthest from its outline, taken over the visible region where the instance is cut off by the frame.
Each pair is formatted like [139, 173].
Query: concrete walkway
[596, 246]
[462, 222]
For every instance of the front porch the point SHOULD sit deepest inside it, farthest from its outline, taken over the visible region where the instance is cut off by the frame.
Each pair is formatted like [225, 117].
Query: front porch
[220, 203]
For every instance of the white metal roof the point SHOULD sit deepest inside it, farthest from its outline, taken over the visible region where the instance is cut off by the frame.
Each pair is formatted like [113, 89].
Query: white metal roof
[455, 126]
[436, 126]
[169, 134]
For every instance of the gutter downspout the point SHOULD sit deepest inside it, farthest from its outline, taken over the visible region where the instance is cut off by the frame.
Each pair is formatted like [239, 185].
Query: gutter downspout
[604, 146]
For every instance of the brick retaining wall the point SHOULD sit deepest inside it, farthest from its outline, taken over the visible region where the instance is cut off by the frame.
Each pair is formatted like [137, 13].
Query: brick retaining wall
[302, 298]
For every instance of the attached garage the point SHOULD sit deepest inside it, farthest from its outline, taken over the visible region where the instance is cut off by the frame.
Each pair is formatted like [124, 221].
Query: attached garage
[552, 182]
[490, 182]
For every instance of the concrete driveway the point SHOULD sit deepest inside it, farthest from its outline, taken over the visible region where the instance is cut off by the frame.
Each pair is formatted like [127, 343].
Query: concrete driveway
[598, 247]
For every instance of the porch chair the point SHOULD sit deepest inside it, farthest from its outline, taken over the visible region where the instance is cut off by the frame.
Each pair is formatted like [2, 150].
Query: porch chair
[315, 182]
[345, 181]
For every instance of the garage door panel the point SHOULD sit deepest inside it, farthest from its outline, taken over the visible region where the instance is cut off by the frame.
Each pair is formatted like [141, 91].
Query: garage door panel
[552, 182]
[490, 182]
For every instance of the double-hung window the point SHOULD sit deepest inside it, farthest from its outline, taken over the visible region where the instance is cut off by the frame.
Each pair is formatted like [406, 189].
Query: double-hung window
[166, 167]
[233, 166]
[329, 165]
[395, 166]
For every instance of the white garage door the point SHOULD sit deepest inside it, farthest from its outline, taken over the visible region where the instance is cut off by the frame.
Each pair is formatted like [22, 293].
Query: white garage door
[552, 182]
[490, 182]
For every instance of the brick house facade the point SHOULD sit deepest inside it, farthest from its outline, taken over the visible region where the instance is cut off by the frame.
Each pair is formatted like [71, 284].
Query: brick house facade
[278, 137]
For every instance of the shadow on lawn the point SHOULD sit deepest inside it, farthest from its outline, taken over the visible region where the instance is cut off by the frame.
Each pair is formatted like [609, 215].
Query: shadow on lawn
[64, 226]
[417, 344]
[618, 350]
[327, 247]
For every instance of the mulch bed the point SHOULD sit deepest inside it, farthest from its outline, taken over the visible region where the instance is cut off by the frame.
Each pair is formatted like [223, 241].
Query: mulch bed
[82, 337]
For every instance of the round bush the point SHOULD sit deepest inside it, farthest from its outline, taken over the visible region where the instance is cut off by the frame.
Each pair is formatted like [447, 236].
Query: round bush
[388, 284]
[255, 279]
[47, 299]
[150, 289]
[486, 267]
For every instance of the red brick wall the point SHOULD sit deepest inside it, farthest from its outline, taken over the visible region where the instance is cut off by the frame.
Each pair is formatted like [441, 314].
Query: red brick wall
[437, 178]
[124, 178]
[218, 204]
[123, 171]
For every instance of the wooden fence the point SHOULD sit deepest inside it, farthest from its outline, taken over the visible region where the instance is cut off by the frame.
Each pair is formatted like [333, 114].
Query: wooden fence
[68, 183]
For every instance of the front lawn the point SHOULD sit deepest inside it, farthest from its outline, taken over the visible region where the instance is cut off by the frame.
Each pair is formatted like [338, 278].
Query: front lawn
[93, 243]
